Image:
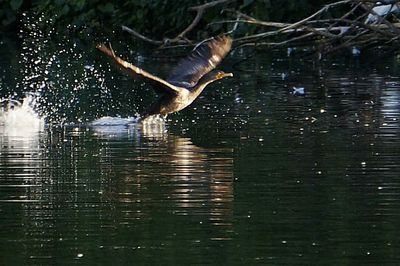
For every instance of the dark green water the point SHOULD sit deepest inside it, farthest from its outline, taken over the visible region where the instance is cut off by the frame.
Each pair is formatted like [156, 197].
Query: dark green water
[251, 173]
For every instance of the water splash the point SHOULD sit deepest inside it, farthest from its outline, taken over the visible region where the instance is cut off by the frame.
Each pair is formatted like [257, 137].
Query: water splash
[19, 118]
[116, 127]
[58, 69]
[113, 121]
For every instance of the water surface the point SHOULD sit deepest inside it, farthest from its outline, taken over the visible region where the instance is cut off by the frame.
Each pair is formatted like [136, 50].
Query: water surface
[254, 172]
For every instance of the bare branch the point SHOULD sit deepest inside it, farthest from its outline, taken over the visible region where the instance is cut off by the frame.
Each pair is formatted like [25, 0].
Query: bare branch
[140, 36]
[180, 38]
[350, 28]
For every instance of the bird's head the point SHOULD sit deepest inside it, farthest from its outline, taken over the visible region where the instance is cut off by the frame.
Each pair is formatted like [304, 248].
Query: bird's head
[213, 76]
[216, 75]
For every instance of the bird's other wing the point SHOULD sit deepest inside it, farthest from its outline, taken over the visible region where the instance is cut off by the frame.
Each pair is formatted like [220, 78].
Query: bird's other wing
[200, 61]
[158, 84]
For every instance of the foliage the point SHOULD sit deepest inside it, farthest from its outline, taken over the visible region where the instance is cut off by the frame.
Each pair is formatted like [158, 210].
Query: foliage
[150, 17]
[282, 11]
[9, 11]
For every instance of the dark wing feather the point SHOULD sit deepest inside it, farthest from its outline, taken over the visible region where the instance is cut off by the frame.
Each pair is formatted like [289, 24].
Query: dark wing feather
[159, 85]
[200, 61]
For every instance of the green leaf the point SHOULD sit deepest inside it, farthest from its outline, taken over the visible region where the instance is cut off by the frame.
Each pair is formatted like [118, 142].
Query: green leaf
[59, 2]
[79, 5]
[139, 14]
[65, 10]
[16, 4]
[107, 8]
[247, 3]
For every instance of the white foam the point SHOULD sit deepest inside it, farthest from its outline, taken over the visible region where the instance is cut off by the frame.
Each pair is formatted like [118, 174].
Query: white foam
[19, 119]
[115, 127]
[113, 121]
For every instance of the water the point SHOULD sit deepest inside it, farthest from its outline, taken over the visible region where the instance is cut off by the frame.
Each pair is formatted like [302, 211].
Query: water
[291, 162]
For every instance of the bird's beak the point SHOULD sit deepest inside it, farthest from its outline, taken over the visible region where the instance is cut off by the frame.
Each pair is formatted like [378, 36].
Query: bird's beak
[224, 75]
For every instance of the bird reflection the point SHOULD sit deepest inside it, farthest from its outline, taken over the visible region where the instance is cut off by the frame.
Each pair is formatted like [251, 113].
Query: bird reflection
[165, 168]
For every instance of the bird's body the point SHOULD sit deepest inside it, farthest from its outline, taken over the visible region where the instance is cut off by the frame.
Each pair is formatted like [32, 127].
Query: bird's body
[381, 10]
[186, 81]
[169, 103]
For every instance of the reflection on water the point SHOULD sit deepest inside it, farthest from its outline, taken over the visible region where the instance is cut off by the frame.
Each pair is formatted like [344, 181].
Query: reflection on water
[78, 184]
[20, 139]
[251, 173]
[164, 167]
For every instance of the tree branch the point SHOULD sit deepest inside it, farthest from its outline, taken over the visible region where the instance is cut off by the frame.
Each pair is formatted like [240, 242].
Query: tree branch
[140, 36]
[180, 38]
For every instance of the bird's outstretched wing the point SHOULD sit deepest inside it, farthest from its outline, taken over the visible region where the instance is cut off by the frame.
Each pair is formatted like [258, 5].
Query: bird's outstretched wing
[200, 61]
[158, 84]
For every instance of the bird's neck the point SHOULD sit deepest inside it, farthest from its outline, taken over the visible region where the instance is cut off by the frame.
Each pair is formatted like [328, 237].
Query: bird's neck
[199, 87]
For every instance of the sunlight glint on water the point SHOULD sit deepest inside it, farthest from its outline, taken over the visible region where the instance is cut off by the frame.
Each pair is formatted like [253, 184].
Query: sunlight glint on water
[252, 173]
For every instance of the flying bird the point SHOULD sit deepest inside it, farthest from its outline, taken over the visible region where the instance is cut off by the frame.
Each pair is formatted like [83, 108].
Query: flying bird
[186, 81]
